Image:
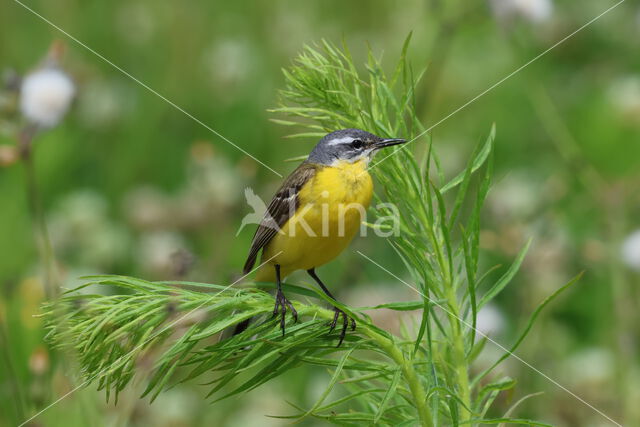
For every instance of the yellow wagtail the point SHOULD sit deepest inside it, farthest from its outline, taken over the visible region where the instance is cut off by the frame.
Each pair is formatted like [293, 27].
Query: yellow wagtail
[316, 213]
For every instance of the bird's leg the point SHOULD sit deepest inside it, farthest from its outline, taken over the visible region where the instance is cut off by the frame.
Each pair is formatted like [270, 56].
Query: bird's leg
[282, 303]
[336, 311]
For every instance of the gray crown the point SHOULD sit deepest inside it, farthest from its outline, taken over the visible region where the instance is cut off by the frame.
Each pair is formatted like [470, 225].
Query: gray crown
[340, 145]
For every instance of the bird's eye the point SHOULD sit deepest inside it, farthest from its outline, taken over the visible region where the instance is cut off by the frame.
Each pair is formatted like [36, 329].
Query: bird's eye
[357, 143]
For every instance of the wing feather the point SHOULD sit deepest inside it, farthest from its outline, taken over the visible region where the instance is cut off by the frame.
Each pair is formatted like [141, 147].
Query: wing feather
[279, 210]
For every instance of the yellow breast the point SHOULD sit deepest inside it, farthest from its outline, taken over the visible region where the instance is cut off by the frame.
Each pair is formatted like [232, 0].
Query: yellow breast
[343, 183]
[332, 207]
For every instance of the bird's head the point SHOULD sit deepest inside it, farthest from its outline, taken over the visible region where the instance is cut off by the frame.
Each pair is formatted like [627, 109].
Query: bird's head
[349, 145]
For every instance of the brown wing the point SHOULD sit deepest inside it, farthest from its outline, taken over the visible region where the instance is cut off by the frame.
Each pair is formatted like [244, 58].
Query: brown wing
[279, 210]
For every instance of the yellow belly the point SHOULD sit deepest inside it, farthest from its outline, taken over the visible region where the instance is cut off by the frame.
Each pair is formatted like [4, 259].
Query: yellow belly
[332, 206]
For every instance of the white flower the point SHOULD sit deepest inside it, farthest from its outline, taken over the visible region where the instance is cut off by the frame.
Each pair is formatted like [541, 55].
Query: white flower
[631, 250]
[45, 96]
[536, 11]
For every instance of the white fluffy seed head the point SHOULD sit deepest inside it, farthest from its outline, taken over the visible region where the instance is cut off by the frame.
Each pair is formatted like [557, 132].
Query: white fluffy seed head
[45, 96]
[536, 11]
[490, 321]
[631, 250]
[624, 95]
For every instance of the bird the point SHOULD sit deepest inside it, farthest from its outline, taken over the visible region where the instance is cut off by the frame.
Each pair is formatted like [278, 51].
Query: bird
[315, 214]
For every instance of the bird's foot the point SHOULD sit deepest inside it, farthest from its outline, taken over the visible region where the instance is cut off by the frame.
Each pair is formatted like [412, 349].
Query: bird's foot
[281, 308]
[345, 323]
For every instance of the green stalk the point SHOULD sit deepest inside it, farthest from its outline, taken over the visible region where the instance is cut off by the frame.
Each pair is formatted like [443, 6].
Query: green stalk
[457, 337]
[14, 381]
[415, 385]
[390, 347]
[459, 354]
[615, 222]
[37, 213]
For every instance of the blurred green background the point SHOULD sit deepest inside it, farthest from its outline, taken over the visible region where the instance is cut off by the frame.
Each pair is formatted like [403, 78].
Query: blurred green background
[127, 180]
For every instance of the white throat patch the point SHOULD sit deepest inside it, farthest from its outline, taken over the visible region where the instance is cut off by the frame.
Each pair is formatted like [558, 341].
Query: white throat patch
[365, 155]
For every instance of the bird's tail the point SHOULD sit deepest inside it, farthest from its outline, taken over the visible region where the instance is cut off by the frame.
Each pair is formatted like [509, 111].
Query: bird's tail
[266, 273]
[241, 327]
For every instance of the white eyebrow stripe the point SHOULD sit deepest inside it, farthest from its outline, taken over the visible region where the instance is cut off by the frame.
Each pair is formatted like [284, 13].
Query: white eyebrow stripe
[342, 140]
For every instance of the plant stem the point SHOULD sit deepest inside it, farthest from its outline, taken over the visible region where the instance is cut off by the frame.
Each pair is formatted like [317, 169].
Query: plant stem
[460, 356]
[415, 385]
[622, 297]
[390, 347]
[37, 213]
[457, 337]
[18, 393]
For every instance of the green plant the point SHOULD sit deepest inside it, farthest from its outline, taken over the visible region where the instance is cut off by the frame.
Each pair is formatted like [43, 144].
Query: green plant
[171, 330]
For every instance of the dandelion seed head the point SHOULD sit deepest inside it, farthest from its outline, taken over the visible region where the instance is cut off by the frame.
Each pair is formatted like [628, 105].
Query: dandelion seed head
[592, 366]
[45, 96]
[82, 230]
[229, 64]
[102, 104]
[136, 22]
[516, 197]
[631, 250]
[156, 249]
[490, 321]
[535, 11]
[624, 95]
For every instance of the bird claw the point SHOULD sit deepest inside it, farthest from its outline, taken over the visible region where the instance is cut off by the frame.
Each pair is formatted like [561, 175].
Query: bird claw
[345, 323]
[281, 308]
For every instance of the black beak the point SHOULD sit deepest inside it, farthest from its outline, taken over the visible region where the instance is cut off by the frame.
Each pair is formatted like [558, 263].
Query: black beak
[388, 143]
